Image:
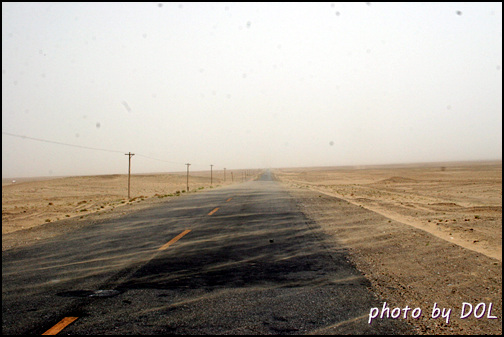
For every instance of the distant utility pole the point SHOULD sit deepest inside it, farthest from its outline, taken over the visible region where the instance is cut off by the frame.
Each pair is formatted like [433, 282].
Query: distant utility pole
[224, 174]
[211, 174]
[129, 170]
[188, 177]
[232, 179]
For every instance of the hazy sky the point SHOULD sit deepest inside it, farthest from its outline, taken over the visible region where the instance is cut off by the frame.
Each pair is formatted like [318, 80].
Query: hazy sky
[247, 85]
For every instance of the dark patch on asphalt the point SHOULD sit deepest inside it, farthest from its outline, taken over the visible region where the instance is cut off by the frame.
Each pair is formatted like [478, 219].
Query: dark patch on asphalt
[261, 249]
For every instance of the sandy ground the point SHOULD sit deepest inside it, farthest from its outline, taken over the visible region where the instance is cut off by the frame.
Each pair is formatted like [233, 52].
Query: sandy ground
[35, 208]
[422, 234]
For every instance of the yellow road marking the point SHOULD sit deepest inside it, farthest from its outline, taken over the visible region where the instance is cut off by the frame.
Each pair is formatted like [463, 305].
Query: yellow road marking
[229, 199]
[175, 239]
[215, 210]
[60, 326]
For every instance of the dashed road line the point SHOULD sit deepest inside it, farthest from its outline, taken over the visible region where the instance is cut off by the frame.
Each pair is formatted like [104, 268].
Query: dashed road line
[69, 320]
[175, 239]
[215, 210]
[60, 326]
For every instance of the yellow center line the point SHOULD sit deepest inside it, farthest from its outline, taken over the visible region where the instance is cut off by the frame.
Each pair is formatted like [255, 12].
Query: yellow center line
[215, 210]
[175, 239]
[60, 326]
[229, 199]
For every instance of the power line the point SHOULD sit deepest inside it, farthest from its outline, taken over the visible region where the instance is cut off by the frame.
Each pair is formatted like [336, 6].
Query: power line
[87, 147]
[129, 154]
[59, 143]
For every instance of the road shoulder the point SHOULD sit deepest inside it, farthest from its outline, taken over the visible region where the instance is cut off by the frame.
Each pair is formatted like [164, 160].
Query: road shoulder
[410, 267]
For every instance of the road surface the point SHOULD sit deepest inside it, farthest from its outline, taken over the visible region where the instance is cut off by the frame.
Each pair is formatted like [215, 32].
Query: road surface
[236, 260]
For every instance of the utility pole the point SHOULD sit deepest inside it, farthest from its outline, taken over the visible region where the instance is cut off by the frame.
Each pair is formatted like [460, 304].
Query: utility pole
[188, 177]
[232, 179]
[129, 171]
[224, 174]
[211, 174]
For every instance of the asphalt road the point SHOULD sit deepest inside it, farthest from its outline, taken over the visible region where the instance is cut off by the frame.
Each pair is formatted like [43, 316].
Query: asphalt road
[235, 260]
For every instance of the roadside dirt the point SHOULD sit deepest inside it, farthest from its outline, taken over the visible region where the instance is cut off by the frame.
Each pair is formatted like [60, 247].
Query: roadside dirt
[422, 235]
[38, 208]
[381, 215]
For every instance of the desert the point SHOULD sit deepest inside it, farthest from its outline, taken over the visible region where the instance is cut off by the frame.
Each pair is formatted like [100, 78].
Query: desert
[425, 235]
[458, 202]
[37, 208]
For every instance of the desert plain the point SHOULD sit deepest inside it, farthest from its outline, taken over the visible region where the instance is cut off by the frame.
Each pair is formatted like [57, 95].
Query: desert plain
[423, 234]
[37, 208]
